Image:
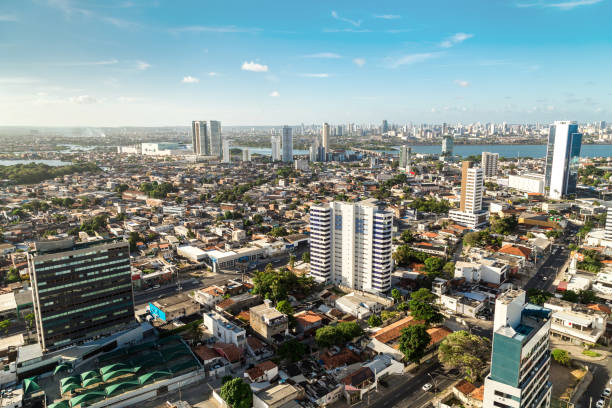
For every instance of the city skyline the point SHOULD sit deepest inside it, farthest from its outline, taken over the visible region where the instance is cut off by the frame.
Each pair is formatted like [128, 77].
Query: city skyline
[135, 63]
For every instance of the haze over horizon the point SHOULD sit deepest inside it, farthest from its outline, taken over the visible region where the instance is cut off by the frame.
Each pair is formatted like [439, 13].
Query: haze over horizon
[134, 63]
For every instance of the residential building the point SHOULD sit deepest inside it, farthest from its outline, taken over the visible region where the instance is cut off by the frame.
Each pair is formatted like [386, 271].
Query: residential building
[80, 291]
[227, 153]
[520, 360]
[562, 156]
[278, 395]
[215, 137]
[287, 144]
[174, 307]
[199, 138]
[264, 371]
[487, 270]
[447, 145]
[358, 305]
[223, 330]
[608, 234]
[576, 323]
[325, 136]
[385, 126]
[246, 155]
[267, 321]
[405, 159]
[275, 142]
[489, 164]
[470, 213]
[528, 183]
[350, 244]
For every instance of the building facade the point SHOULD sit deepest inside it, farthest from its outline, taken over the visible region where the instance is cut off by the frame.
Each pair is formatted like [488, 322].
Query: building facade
[275, 151]
[447, 145]
[608, 232]
[520, 360]
[80, 292]
[405, 159]
[227, 153]
[489, 164]
[350, 244]
[287, 144]
[325, 136]
[199, 138]
[470, 213]
[528, 183]
[215, 138]
[562, 157]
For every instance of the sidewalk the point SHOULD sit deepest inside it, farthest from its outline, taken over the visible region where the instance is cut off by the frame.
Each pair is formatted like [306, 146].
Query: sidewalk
[576, 351]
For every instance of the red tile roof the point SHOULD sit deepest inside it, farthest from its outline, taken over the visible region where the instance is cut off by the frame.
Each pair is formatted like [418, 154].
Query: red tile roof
[229, 351]
[515, 251]
[599, 307]
[438, 334]
[394, 330]
[465, 387]
[205, 353]
[345, 357]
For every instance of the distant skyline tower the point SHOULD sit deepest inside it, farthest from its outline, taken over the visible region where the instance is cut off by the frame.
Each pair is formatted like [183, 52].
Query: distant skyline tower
[562, 159]
[287, 144]
[489, 164]
[385, 126]
[447, 145]
[405, 159]
[214, 127]
[275, 143]
[246, 155]
[227, 157]
[325, 136]
[199, 137]
[608, 231]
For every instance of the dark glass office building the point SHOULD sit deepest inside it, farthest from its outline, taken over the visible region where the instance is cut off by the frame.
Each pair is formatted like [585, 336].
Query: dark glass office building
[81, 291]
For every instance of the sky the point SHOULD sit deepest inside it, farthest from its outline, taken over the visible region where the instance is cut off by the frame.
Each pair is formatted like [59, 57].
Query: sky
[157, 63]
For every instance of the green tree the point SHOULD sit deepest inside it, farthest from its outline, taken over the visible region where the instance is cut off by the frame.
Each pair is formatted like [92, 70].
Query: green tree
[328, 336]
[561, 356]
[278, 232]
[306, 257]
[449, 269]
[133, 239]
[537, 296]
[466, 352]
[403, 307]
[434, 265]
[292, 350]
[570, 296]
[396, 295]
[407, 236]
[291, 261]
[285, 307]
[4, 325]
[195, 333]
[423, 295]
[413, 342]
[29, 318]
[425, 312]
[374, 320]
[12, 275]
[237, 394]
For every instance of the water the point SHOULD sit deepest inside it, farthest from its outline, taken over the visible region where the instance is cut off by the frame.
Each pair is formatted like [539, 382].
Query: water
[53, 163]
[515, 150]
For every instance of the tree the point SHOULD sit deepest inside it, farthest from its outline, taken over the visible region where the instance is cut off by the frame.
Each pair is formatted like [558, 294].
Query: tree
[407, 236]
[467, 352]
[374, 320]
[306, 257]
[434, 265]
[449, 269]
[337, 335]
[587, 296]
[396, 295]
[195, 332]
[423, 295]
[291, 261]
[570, 296]
[413, 342]
[29, 318]
[237, 394]
[425, 312]
[4, 325]
[133, 239]
[12, 275]
[285, 307]
[537, 296]
[561, 356]
[292, 350]
[403, 307]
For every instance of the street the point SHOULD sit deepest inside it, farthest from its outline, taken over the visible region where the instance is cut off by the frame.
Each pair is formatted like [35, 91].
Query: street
[602, 372]
[546, 274]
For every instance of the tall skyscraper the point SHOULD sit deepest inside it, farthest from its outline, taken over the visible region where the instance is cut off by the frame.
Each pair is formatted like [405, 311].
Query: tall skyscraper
[520, 360]
[287, 144]
[489, 164]
[246, 155]
[608, 232]
[227, 153]
[385, 126]
[214, 127]
[80, 291]
[275, 151]
[200, 138]
[447, 145]
[350, 244]
[470, 213]
[405, 159]
[562, 159]
[325, 136]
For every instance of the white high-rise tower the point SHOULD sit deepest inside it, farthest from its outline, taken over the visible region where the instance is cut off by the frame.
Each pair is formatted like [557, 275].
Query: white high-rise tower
[562, 159]
[287, 144]
[489, 164]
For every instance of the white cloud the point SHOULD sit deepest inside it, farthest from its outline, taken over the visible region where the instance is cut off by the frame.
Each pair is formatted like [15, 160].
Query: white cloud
[327, 55]
[212, 74]
[274, 94]
[462, 83]
[89, 63]
[8, 18]
[388, 16]
[360, 62]
[321, 75]
[410, 59]
[355, 23]
[190, 80]
[455, 39]
[254, 67]
[117, 22]
[213, 29]
[142, 66]
[563, 5]
[17, 80]
[83, 99]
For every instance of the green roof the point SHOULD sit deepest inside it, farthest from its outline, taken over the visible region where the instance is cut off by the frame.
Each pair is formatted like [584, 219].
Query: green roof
[69, 387]
[61, 367]
[122, 386]
[180, 367]
[141, 347]
[89, 374]
[178, 353]
[112, 354]
[72, 379]
[167, 339]
[112, 367]
[143, 379]
[90, 381]
[117, 373]
[86, 397]
[168, 352]
[146, 358]
[29, 385]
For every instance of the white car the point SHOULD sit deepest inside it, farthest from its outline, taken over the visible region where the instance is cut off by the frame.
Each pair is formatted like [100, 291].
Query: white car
[600, 404]
[427, 387]
[606, 392]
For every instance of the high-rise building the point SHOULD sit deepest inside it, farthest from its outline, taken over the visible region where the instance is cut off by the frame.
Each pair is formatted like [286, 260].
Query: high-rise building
[350, 244]
[385, 126]
[447, 145]
[489, 164]
[520, 360]
[325, 136]
[216, 139]
[275, 142]
[562, 158]
[470, 213]
[80, 291]
[287, 144]
[199, 138]
[227, 153]
[405, 159]
[246, 155]
[608, 232]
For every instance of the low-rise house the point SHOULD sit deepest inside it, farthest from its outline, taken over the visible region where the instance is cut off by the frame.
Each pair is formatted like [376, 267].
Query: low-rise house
[489, 270]
[307, 321]
[174, 307]
[576, 323]
[277, 396]
[224, 330]
[267, 321]
[357, 384]
[265, 371]
[358, 305]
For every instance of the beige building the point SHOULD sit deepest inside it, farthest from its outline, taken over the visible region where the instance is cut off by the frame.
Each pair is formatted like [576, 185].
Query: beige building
[267, 321]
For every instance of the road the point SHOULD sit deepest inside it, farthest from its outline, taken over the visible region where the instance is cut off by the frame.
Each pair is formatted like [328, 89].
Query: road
[545, 276]
[602, 372]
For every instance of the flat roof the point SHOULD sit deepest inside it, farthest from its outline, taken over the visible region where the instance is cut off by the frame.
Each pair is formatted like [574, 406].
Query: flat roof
[7, 302]
[15, 340]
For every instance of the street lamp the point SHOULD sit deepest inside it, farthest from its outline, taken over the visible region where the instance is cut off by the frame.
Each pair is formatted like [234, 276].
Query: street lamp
[435, 388]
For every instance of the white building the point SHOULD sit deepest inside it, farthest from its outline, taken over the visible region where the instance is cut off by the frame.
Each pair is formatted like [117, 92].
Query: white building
[350, 244]
[576, 323]
[301, 164]
[487, 270]
[562, 157]
[215, 137]
[275, 143]
[224, 330]
[287, 144]
[227, 154]
[520, 361]
[609, 224]
[528, 183]
[357, 305]
[246, 155]
[163, 149]
[489, 164]
[325, 136]
[470, 213]
[199, 138]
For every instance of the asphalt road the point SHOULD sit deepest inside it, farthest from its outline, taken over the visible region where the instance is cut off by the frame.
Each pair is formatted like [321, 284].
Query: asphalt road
[602, 372]
[544, 277]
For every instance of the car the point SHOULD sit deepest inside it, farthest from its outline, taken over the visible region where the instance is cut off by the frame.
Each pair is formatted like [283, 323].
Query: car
[606, 392]
[600, 404]
[427, 387]
[481, 317]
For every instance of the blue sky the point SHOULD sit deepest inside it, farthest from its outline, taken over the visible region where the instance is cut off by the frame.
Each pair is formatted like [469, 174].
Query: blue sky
[150, 63]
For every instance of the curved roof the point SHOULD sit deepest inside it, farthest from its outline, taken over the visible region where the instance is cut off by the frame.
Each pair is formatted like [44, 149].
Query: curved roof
[112, 367]
[141, 347]
[167, 339]
[143, 379]
[69, 387]
[60, 404]
[177, 353]
[88, 374]
[71, 379]
[117, 373]
[146, 358]
[111, 355]
[115, 388]
[60, 367]
[179, 367]
[86, 397]
[29, 385]
[90, 381]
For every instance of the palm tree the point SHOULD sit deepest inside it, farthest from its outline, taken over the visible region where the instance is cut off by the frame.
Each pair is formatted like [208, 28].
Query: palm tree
[195, 333]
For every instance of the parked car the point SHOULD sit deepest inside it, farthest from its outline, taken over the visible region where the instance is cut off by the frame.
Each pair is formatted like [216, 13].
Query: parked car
[606, 392]
[600, 404]
[427, 387]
